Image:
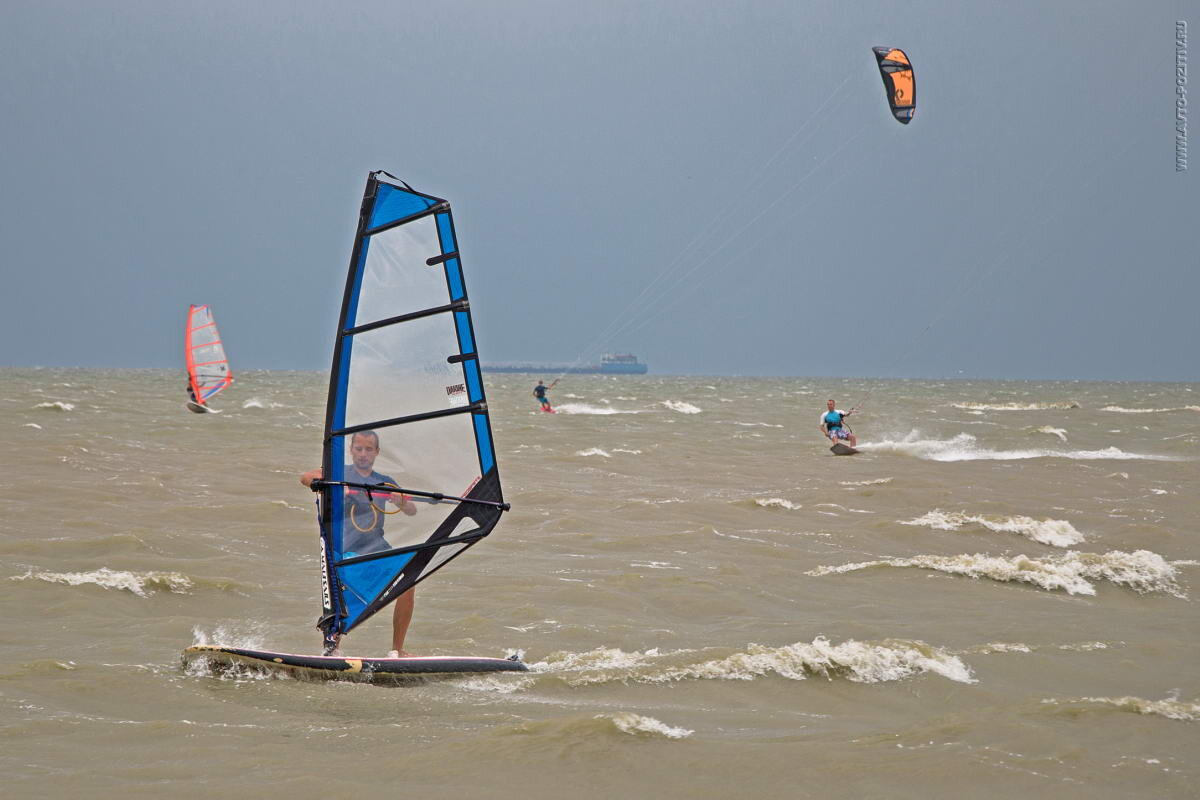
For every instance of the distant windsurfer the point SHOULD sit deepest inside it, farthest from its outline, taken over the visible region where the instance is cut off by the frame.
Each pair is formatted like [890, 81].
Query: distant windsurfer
[833, 427]
[539, 392]
[190, 390]
[362, 527]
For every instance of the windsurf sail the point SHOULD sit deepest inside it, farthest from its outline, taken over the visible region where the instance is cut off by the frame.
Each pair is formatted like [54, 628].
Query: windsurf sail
[409, 468]
[898, 81]
[207, 367]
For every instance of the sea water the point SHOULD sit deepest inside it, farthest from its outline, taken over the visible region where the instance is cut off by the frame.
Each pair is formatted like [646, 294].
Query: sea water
[995, 597]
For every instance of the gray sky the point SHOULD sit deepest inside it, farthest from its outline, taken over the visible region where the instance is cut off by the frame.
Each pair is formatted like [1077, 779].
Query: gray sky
[156, 154]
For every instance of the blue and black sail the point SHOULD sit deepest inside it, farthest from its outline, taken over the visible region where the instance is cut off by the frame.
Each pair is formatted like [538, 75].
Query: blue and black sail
[409, 467]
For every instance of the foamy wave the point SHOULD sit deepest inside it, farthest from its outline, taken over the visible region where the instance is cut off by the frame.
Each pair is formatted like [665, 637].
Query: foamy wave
[1123, 410]
[637, 724]
[33, 425]
[1171, 709]
[963, 447]
[627, 452]
[56, 406]
[1016, 406]
[584, 408]
[1072, 572]
[593, 451]
[860, 662]
[1061, 433]
[141, 584]
[1055, 532]
[1001, 647]
[681, 407]
[757, 425]
[254, 402]
[777, 502]
[876, 482]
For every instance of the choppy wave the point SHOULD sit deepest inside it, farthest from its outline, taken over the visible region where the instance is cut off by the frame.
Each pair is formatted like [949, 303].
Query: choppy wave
[1171, 709]
[585, 408]
[1072, 572]
[593, 451]
[875, 482]
[860, 662]
[681, 407]
[1017, 406]
[637, 724]
[777, 502]
[1061, 433]
[580, 730]
[964, 447]
[254, 402]
[140, 583]
[1055, 532]
[56, 405]
[1123, 410]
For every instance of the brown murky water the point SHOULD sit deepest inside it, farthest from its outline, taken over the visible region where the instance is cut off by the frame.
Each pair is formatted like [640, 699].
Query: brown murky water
[994, 597]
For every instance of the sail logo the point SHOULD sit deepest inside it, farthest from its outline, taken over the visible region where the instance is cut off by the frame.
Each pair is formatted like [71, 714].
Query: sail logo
[325, 598]
[457, 394]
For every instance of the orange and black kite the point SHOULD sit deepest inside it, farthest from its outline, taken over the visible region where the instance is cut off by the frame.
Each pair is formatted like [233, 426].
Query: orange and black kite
[898, 81]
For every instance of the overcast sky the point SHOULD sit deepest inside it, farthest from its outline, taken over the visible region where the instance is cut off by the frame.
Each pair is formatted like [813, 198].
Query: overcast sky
[730, 169]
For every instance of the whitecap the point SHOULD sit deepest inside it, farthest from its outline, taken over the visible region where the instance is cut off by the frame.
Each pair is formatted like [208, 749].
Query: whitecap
[1061, 433]
[1072, 572]
[965, 447]
[859, 662]
[56, 405]
[1055, 532]
[139, 583]
[1123, 410]
[584, 408]
[777, 502]
[629, 722]
[593, 451]
[1169, 708]
[1060, 404]
[681, 407]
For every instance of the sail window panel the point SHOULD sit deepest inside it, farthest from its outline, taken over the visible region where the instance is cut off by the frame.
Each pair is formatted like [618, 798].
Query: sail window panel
[434, 455]
[208, 353]
[402, 369]
[205, 335]
[395, 279]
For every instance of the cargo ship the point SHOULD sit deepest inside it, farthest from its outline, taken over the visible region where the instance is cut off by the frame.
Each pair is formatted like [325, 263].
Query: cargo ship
[610, 364]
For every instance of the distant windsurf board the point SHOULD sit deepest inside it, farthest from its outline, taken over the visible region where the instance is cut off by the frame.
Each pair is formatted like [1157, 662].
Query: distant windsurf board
[346, 668]
[196, 408]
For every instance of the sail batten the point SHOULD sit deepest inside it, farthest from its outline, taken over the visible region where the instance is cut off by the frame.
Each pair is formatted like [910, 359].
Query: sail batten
[406, 408]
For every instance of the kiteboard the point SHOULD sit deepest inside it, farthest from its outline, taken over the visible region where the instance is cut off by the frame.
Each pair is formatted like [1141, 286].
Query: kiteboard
[549, 410]
[840, 449]
[346, 668]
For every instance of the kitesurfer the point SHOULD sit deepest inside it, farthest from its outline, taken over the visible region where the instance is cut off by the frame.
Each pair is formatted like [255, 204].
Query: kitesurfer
[362, 526]
[831, 425]
[539, 392]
